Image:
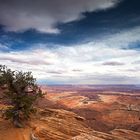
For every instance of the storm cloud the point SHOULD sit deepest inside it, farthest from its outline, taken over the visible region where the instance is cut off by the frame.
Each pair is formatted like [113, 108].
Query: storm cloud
[44, 15]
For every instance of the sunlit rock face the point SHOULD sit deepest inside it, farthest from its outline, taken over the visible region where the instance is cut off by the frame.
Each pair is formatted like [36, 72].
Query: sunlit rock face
[54, 124]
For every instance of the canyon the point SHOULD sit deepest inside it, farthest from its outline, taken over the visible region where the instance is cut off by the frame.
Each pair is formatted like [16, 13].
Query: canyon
[81, 113]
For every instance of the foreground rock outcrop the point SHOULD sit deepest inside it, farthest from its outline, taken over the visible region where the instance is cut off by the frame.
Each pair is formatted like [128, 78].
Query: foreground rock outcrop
[55, 124]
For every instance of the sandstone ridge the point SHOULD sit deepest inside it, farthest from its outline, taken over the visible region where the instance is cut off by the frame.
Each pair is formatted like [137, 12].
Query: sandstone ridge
[56, 124]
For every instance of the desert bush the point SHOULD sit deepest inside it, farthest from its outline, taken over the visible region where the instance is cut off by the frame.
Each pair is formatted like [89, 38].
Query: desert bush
[21, 92]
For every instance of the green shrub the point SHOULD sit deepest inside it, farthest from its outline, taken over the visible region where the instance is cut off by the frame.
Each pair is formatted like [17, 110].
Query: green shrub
[21, 93]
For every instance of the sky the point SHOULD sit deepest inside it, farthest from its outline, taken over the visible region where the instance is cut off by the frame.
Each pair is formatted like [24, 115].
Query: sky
[72, 41]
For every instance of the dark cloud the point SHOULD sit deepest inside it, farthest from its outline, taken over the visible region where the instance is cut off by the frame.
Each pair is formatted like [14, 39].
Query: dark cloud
[55, 72]
[113, 63]
[43, 15]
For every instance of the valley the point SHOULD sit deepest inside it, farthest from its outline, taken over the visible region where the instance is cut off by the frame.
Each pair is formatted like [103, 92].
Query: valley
[104, 107]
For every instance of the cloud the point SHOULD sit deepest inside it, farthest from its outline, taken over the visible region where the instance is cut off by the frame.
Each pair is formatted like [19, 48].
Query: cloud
[56, 72]
[113, 63]
[14, 57]
[3, 47]
[123, 38]
[76, 70]
[22, 61]
[44, 15]
[110, 79]
[136, 62]
[73, 64]
[87, 63]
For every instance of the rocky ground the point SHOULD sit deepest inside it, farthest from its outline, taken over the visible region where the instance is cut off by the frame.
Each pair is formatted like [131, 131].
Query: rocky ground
[77, 115]
[103, 109]
[56, 124]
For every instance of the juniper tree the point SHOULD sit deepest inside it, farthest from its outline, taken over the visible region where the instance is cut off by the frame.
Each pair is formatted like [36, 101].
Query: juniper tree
[21, 92]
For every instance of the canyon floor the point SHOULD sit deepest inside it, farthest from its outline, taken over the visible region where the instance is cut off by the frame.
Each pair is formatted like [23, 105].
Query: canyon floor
[105, 108]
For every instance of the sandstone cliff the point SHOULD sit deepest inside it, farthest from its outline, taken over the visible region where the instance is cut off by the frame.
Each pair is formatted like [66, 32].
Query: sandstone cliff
[56, 124]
